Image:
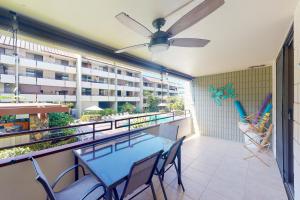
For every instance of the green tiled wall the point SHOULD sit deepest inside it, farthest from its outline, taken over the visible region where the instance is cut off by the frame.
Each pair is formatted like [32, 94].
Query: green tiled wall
[251, 87]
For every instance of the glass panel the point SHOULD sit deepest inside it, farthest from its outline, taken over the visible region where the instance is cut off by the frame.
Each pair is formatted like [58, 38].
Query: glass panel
[112, 162]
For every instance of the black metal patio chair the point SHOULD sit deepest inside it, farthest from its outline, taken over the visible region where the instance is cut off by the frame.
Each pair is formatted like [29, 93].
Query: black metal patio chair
[168, 131]
[141, 174]
[167, 161]
[86, 188]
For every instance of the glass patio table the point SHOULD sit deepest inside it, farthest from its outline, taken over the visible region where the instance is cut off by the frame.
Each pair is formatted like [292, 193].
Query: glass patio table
[110, 163]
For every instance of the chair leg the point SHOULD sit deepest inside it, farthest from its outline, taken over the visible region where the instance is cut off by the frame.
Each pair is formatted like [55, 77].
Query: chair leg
[179, 176]
[116, 194]
[153, 191]
[162, 187]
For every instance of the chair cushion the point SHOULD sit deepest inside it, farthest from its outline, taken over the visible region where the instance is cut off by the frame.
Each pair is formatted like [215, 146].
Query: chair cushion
[79, 188]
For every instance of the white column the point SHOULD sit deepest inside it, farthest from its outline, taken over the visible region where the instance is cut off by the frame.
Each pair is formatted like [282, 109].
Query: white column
[78, 85]
[141, 104]
[17, 75]
[115, 105]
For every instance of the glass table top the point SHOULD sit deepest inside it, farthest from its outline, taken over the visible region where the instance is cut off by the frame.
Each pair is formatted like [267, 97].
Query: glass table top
[111, 162]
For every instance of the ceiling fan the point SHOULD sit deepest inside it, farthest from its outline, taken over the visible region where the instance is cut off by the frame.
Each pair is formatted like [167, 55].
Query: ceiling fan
[162, 40]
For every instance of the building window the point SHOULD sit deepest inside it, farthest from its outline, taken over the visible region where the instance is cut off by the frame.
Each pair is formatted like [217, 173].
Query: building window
[103, 92]
[2, 50]
[129, 74]
[112, 70]
[34, 73]
[119, 71]
[34, 56]
[105, 69]
[3, 69]
[63, 92]
[86, 78]
[61, 76]
[86, 64]
[62, 62]
[8, 88]
[86, 91]
[119, 93]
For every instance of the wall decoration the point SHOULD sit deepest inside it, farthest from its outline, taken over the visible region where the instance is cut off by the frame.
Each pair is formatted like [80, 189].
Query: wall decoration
[222, 93]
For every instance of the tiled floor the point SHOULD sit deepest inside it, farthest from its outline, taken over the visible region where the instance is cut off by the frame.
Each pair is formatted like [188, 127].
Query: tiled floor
[214, 169]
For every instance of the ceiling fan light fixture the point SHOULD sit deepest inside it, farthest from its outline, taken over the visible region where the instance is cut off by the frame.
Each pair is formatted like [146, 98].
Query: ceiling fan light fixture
[157, 48]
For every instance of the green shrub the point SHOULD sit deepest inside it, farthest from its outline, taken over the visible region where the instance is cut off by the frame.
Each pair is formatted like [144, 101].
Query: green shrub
[8, 153]
[127, 107]
[108, 111]
[60, 119]
[7, 118]
[90, 117]
[152, 102]
[14, 152]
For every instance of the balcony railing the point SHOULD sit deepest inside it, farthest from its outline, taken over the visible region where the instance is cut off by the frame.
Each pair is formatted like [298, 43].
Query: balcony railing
[95, 131]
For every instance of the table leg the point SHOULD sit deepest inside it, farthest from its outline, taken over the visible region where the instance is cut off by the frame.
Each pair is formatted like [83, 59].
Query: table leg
[76, 169]
[108, 194]
[179, 166]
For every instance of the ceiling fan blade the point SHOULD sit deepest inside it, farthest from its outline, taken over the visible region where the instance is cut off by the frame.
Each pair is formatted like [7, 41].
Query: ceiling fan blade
[188, 42]
[133, 25]
[195, 15]
[131, 47]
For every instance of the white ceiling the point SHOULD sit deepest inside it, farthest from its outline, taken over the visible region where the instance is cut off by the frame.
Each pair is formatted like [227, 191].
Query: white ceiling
[243, 33]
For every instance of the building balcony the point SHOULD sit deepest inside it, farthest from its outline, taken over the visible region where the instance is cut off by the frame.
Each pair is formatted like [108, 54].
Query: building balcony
[25, 62]
[28, 80]
[133, 99]
[128, 78]
[148, 88]
[7, 78]
[97, 98]
[54, 82]
[97, 72]
[54, 98]
[55, 67]
[128, 88]
[10, 60]
[95, 85]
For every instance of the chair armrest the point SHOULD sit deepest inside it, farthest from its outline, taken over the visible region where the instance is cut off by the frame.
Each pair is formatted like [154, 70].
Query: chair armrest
[92, 189]
[65, 172]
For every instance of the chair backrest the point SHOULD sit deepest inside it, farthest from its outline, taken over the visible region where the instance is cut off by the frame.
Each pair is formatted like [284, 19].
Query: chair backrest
[40, 177]
[168, 131]
[141, 173]
[171, 155]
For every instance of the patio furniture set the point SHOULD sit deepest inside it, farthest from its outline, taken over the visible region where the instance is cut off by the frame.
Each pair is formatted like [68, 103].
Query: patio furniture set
[120, 169]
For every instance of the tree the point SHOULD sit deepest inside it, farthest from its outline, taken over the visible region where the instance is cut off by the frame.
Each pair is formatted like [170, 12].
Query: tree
[152, 102]
[127, 107]
[175, 103]
[59, 119]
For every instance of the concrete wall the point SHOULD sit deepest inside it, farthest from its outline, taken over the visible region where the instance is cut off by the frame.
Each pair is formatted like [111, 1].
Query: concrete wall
[297, 103]
[18, 180]
[252, 86]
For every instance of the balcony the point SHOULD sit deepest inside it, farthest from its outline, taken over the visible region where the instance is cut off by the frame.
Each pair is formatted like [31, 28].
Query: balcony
[128, 88]
[28, 80]
[54, 82]
[148, 88]
[211, 168]
[128, 78]
[97, 72]
[7, 78]
[97, 98]
[55, 98]
[10, 60]
[133, 99]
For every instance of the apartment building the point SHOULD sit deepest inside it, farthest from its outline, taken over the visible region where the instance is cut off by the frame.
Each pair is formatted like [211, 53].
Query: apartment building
[43, 74]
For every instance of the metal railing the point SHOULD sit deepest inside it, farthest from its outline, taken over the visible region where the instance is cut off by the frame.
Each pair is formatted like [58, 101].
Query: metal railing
[58, 134]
